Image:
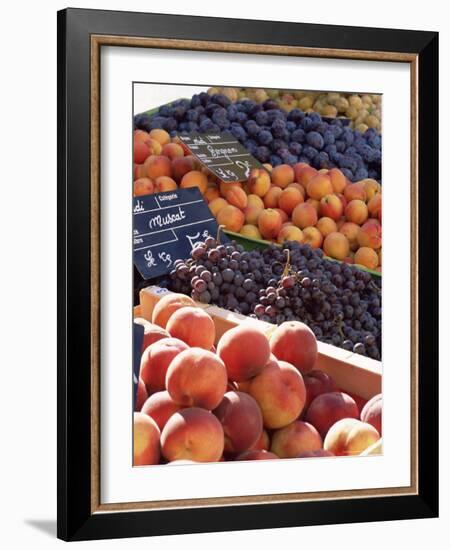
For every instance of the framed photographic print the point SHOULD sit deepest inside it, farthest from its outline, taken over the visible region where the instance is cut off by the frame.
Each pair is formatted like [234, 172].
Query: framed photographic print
[247, 274]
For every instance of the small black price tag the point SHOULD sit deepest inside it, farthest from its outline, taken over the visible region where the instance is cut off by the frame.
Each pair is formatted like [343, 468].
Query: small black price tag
[222, 154]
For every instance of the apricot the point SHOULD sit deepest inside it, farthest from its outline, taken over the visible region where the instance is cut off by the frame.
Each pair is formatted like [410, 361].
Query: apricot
[252, 213]
[319, 186]
[280, 393]
[338, 181]
[241, 420]
[315, 204]
[350, 230]
[245, 351]
[164, 183]
[272, 196]
[262, 443]
[182, 165]
[294, 342]
[258, 182]
[326, 226]
[326, 409]
[269, 223]
[290, 233]
[140, 136]
[157, 165]
[211, 194]
[298, 186]
[250, 231]
[167, 305]
[370, 234]
[193, 326]
[160, 135]
[225, 186]
[197, 378]
[317, 382]
[141, 395]
[237, 197]
[143, 186]
[192, 434]
[305, 174]
[255, 200]
[355, 191]
[156, 360]
[216, 205]
[304, 215]
[366, 257]
[195, 179]
[289, 199]
[350, 436]
[336, 245]
[172, 150]
[231, 217]
[374, 206]
[296, 438]
[372, 412]
[331, 206]
[313, 237]
[140, 152]
[257, 455]
[160, 406]
[282, 175]
[356, 211]
[145, 440]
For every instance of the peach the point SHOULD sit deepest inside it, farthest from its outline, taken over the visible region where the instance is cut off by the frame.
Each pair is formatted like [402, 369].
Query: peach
[315, 454]
[195, 179]
[164, 183]
[241, 420]
[289, 199]
[141, 395]
[374, 449]
[140, 136]
[231, 217]
[225, 186]
[143, 186]
[172, 150]
[216, 205]
[371, 187]
[157, 165]
[372, 412]
[139, 171]
[304, 215]
[313, 237]
[156, 360]
[252, 213]
[237, 197]
[152, 333]
[160, 135]
[370, 234]
[262, 443]
[282, 175]
[294, 342]
[350, 230]
[211, 194]
[298, 186]
[258, 182]
[355, 191]
[294, 439]
[356, 211]
[145, 440]
[269, 223]
[283, 215]
[272, 197]
[154, 146]
[328, 408]
[319, 186]
[192, 434]
[197, 378]
[338, 181]
[257, 455]
[342, 199]
[326, 226]
[336, 246]
[250, 231]
[317, 382]
[167, 305]
[290, 233]
[140, 152]
[350, 436]
[193, 326]
[331, 206]
[254, 200]
[245, 351]
[280, 393]
[366, 257]
[160, 406]
[305, 174]
[182, 165]
[315, 204]
[374, 206]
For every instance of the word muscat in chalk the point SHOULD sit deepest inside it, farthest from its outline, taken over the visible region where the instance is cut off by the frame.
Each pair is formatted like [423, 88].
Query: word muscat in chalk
[167, 219]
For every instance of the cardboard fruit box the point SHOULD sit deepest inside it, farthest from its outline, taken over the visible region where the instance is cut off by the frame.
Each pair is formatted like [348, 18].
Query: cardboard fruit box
[352, 373]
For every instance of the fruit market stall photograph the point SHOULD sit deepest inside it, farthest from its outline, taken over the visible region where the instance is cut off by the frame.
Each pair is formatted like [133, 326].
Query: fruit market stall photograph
[257, 248]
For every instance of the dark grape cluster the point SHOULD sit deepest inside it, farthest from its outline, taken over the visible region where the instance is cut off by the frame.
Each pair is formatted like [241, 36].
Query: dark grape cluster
[272, 135]
[339, 302]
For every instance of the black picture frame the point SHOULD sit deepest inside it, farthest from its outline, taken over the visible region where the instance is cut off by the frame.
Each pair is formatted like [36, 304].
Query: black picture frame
[75, 518]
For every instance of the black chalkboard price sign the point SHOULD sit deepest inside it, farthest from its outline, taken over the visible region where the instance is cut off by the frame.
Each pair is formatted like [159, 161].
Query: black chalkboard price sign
[221, 154]
[166, 226]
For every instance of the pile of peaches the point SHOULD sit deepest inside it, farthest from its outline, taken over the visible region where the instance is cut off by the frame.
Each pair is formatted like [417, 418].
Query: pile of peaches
[286, 203]
[251, 398]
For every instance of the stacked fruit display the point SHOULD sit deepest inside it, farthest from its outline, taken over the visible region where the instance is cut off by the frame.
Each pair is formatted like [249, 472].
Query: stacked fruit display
[251, 399]
[362, 110]
[340, 303]
[272, 135]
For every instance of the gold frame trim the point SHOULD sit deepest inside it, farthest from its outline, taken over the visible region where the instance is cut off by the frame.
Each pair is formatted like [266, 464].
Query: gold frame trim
[97, 41]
